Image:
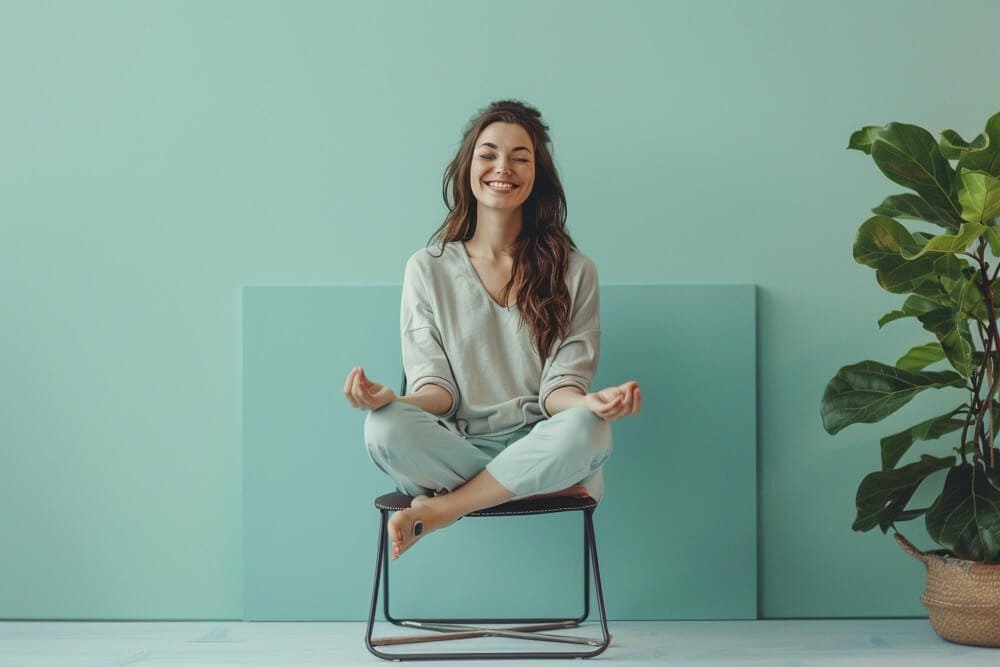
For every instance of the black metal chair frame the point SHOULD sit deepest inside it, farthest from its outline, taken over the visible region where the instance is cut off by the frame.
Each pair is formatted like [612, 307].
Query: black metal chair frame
[463, 628]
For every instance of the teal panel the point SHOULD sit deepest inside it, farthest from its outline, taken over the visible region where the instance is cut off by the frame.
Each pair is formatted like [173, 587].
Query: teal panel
[677, 529]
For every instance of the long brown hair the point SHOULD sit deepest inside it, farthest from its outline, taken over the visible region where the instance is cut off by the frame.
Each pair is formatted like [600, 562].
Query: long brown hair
[541, 251]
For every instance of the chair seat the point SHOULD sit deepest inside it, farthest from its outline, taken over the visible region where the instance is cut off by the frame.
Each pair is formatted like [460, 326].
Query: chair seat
[546, 504]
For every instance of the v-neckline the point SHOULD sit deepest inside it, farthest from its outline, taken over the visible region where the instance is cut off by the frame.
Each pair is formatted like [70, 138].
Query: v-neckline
[479, 279]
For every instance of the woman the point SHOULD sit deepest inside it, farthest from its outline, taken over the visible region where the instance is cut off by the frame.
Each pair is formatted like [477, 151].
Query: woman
[500, 340]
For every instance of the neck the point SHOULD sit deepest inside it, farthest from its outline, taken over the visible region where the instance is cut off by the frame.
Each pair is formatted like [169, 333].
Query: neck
[496, 232]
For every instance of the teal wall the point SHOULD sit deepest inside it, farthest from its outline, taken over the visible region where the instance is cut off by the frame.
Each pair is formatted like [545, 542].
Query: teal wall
[155, 157]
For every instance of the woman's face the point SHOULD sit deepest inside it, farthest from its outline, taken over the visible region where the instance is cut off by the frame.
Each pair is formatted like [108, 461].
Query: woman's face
[503, 166]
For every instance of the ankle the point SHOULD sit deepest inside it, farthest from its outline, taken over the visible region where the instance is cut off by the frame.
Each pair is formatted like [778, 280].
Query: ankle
[446, 508]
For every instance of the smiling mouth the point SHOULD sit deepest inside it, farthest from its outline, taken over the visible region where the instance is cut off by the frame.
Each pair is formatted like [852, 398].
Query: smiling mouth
[501, 186]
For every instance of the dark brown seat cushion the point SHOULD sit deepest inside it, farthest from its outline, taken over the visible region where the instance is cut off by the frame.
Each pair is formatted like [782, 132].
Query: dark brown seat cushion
[572, 500]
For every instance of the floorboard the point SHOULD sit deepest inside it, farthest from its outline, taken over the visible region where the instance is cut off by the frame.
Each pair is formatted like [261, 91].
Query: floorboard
[909, 643]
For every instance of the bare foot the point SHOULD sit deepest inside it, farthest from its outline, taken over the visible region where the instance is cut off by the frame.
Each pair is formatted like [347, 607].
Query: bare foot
[406, 527]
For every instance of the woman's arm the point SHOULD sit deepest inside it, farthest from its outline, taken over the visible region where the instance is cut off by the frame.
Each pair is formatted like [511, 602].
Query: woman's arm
[563, 398]
[430, 398]
[425, 361]
[611, 403]
[572, 364]
[368, 395]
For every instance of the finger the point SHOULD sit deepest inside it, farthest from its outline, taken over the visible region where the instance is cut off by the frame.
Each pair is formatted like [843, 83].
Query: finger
[350, 380]
[358, 393]
[638, 400]
[610, 405]
[611, 410]
[627, 400]
[627, 404]
[630, 405]
[611, 394]
[617, 412]
[349, 389]
[367, 385]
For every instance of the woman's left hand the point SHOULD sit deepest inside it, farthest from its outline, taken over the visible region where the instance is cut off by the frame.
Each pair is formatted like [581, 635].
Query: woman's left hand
[615, 402]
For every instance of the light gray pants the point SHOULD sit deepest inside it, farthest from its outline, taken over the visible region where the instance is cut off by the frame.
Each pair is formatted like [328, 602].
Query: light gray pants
[422, 455]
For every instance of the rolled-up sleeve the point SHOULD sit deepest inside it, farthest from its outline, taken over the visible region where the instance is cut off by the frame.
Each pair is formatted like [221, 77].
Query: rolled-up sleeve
[574, 361]
[424, 359]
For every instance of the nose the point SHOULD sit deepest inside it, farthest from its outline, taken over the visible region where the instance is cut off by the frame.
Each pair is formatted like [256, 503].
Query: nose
[501, 166]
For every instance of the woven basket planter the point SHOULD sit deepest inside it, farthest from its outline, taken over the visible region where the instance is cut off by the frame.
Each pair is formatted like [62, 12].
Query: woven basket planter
[962, 597]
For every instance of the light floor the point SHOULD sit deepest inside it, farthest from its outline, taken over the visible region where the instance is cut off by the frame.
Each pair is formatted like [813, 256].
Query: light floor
[745, 643]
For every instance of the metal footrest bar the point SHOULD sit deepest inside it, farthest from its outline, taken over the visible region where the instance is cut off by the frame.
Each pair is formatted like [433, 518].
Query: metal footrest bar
[450, 632]
[522, 632]
[456, 627]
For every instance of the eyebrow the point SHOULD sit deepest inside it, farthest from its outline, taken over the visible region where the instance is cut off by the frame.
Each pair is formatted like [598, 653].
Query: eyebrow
[494, 147]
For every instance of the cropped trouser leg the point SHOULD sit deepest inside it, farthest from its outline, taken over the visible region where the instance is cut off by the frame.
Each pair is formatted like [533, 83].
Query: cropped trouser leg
[421, 455]
[566, 449]
[419, 452]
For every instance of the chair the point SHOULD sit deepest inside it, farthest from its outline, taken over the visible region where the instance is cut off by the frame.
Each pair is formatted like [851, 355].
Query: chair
[523, 628]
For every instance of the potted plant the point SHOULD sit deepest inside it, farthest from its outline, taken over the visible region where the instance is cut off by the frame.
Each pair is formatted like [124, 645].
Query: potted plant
[946, 260]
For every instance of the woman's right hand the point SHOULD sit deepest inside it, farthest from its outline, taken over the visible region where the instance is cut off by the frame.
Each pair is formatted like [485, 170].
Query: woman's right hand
[364, 394]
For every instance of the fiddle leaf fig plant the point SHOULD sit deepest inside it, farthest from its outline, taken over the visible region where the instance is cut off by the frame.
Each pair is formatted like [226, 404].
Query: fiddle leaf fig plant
[945, 259]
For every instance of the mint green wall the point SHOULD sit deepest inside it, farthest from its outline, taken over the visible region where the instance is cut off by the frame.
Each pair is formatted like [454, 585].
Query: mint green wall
[155, 157]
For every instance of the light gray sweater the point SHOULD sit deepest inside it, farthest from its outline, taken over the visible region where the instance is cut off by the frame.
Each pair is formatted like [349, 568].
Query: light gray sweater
[456, 336]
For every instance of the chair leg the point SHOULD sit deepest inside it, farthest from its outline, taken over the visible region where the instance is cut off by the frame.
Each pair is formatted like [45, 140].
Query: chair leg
[380, 558]
[455, 628]
[598, 586]
[586, 571]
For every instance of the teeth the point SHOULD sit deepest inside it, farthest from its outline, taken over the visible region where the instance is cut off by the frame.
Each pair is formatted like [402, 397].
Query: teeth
[501, 186]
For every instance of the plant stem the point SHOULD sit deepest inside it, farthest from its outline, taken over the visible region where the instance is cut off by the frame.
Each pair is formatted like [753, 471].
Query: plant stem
[984, 440]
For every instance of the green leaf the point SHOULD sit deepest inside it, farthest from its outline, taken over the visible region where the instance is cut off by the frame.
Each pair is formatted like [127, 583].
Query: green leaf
[965, 518]
[983, 154]
[954, 146]
[892, 316]
[915, 207]
[882, 495]
[952, 331]
[994, 477]
[881, 243]
[896, 445]
[979, 195]
[862, 139]
[920, 357]
[869, 391]
[965, 296]
[913, 306]
[993, 238]
[948, 243]
[909, 155]
[908, 515]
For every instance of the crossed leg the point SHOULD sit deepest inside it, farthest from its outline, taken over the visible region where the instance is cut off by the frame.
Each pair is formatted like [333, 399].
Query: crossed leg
[411, 446]
[427, 514]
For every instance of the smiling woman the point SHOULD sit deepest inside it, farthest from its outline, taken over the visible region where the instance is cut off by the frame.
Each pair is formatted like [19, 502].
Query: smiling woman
[495, 410]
